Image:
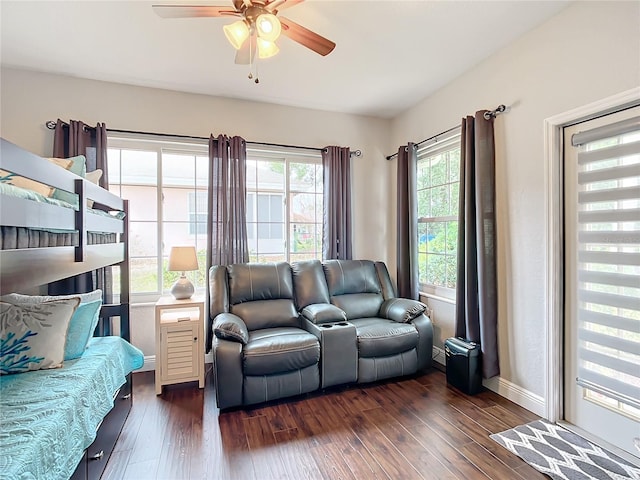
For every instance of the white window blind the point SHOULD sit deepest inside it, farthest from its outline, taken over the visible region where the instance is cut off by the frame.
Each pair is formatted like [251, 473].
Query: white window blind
[609, 261]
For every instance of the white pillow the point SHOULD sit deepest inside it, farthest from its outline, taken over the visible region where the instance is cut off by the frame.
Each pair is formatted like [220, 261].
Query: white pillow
[83, 321]
[18, 298]
[94, 177]
[33, 336]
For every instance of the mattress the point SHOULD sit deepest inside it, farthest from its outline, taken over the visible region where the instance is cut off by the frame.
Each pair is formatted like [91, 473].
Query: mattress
[21, 237]
[49, 417]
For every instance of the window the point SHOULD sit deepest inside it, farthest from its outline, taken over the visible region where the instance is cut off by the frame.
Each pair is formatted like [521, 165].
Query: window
[438, 183]
[284, 205]
[166, 185]
[165, 182]
[198, 213]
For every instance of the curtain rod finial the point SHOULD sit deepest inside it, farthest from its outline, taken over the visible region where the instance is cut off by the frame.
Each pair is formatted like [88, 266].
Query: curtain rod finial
[494, 113]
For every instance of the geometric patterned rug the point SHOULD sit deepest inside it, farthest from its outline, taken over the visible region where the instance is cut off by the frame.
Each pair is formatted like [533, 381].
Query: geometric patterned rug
[563, 455]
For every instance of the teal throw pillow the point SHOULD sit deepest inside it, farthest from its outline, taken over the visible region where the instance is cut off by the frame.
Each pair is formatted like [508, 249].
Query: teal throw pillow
[79, 167]
[83, 323]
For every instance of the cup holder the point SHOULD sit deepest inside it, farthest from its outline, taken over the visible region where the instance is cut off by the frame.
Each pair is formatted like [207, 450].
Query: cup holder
[326, 325]
[343, 324]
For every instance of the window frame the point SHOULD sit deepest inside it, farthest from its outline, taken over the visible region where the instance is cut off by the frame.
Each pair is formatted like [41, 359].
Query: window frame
[287, 156]
[443, 143]
[160, 145]
[197, 147]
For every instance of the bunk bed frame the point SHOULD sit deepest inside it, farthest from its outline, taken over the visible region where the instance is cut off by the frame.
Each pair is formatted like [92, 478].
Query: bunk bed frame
[26, 268]
[55, 263]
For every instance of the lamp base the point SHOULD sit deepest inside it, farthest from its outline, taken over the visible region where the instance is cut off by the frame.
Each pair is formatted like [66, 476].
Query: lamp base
[183, 288]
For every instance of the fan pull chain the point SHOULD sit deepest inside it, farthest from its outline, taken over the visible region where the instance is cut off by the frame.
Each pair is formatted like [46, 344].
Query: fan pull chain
[253, 62]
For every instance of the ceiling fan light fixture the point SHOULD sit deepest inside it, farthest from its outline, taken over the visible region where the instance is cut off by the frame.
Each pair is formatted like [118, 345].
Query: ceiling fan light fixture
[266, 48]
[237, 33]
[268, 27]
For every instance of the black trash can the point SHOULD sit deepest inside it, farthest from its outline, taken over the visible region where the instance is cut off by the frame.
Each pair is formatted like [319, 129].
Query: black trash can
[463, 365]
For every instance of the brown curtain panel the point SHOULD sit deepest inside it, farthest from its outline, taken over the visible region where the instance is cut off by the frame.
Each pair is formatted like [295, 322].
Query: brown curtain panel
[407, 218]
[476, 292]
[227, 210]
[337, 234]
[71, 139]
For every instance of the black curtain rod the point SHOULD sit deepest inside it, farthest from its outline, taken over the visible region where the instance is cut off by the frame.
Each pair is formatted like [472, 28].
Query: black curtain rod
[487, 115]
[394, 155]
[51, 125]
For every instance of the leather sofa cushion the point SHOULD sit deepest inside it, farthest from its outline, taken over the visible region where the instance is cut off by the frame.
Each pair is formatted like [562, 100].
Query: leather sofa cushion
[228, 326]
[269, 281]
[351, 276]
[276, 350]
[402, 309]
[218, 290]
[378, 337]
[309, 284]
[323, 313]
[262, 388]
[267, 314]
[358, 305]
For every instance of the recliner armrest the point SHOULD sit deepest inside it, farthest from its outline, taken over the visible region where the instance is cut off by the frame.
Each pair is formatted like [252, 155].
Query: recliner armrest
[323, 313]
[402, 310]
[228, 326]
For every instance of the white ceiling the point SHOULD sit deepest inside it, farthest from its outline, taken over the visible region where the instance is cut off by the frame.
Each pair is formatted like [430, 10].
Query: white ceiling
[389, 54]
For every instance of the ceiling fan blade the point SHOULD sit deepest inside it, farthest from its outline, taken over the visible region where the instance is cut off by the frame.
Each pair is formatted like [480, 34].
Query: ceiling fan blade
[278, 5]
[243, 56]
[188, 11]
[306, 37]
[238, 4]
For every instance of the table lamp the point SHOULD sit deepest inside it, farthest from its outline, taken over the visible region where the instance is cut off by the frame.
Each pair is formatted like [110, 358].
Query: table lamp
[182, 259]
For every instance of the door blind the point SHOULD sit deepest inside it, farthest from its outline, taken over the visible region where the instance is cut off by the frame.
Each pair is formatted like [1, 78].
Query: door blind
[609, 261]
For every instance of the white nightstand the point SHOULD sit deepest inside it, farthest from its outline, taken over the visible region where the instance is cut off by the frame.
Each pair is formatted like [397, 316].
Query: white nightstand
[179, 341]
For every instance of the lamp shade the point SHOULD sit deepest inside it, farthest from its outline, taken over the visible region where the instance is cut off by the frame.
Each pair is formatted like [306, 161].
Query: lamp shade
[268, 27]
[236, 33]
[182, 259]
[266, 48]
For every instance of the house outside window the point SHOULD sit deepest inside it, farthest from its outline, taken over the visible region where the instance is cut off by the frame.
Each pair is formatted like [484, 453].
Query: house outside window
[284, 205]
[165, 181]
[197, 213]
[438, 184]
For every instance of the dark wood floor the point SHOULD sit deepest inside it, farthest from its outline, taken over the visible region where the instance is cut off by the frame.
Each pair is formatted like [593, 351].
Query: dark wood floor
[412, 428]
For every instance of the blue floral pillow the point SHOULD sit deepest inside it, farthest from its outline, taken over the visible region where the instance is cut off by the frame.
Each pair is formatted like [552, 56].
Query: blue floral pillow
[33, 337]
[83, 322]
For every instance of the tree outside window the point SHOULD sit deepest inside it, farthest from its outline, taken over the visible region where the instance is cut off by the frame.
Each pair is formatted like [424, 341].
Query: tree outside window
[438, 183]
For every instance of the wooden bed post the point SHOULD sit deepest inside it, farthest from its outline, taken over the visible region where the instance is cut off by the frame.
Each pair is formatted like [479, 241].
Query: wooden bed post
[80, 220]
[125, 331]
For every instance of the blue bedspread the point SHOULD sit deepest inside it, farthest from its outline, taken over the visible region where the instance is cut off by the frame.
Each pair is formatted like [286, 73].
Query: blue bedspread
[49, 417]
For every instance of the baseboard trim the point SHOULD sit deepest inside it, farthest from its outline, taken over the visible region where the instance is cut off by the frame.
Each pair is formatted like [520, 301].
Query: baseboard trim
[504, 388]
[148, 365]
[150, 362]
[438, 356]
[526, 399]
[511, 391]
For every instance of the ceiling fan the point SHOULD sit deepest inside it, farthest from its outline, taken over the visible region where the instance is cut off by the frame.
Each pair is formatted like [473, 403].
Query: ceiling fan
[258, 28]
